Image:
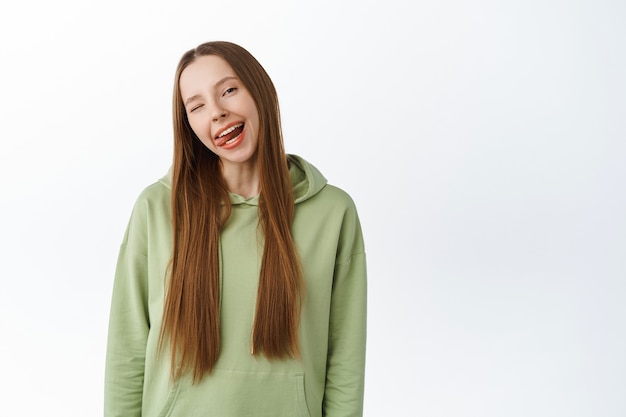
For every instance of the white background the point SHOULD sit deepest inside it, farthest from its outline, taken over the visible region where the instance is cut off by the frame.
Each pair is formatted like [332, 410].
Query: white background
[482, 141]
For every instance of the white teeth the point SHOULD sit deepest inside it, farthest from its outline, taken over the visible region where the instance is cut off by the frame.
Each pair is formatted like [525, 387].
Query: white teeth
[230, 129]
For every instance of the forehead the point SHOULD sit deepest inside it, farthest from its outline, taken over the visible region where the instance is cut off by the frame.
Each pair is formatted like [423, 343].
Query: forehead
[204, 73]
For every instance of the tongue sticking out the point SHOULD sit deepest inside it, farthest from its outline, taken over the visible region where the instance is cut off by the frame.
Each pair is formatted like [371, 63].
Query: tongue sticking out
[223, 139]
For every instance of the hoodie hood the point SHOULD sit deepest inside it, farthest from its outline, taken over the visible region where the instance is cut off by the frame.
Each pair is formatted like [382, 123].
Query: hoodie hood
[306, 181]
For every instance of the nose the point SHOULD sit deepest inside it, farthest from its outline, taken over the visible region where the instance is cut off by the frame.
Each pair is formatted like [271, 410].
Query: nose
[218, 113]
[215, 109]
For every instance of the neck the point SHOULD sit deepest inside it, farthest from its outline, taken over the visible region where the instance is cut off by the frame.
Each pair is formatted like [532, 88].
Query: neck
[242, 179]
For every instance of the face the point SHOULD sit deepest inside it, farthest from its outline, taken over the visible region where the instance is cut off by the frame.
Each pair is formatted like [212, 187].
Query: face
[220, 110]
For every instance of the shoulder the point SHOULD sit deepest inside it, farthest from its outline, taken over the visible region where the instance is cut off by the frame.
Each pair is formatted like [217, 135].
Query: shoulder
[334, 208]
[334, 192]
[155, 192]
[152, 209]
[333, 197]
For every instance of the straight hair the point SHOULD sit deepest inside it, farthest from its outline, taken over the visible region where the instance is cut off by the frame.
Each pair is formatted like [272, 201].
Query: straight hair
[201, 207]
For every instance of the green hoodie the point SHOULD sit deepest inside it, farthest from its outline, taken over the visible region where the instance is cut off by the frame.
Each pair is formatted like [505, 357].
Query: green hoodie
[328, 378]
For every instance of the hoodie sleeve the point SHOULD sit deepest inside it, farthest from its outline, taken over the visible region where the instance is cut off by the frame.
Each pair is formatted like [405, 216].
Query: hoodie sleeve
[128, 324]
[343, 395]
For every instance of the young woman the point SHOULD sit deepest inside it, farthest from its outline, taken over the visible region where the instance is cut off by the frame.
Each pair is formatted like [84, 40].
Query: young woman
[240, 288]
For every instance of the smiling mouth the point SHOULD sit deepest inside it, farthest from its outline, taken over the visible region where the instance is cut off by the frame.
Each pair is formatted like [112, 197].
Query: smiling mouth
[229, 135]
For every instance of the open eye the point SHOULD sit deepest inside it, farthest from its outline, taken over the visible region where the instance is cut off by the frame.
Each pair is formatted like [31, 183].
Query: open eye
[229, 90]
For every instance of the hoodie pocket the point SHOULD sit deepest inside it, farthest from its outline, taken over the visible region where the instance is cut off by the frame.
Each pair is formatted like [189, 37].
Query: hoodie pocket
[227, 393]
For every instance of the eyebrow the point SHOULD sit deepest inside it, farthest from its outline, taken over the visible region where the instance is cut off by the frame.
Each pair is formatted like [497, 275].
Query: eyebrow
[217, 84]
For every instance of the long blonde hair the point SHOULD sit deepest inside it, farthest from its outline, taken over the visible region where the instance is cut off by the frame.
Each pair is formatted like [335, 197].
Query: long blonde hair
[201, 207]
